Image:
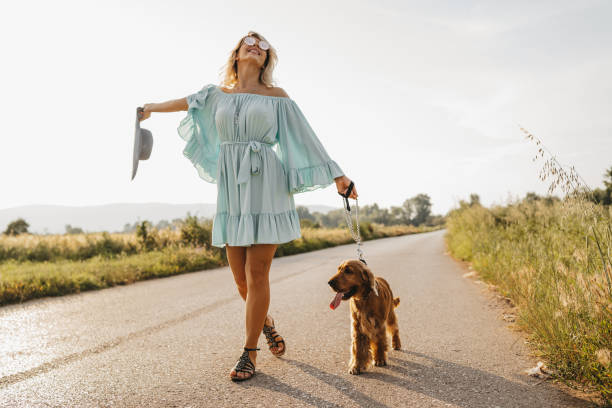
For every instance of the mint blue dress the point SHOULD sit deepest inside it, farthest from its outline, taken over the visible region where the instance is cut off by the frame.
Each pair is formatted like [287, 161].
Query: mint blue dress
[260, 151]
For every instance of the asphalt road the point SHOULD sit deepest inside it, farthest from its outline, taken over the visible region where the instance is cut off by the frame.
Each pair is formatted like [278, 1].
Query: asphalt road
[171, 342]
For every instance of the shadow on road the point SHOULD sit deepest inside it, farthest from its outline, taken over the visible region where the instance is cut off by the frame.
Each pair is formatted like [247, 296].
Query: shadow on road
[270, 383]
[439, 379]
[466, 386]
[341, 384]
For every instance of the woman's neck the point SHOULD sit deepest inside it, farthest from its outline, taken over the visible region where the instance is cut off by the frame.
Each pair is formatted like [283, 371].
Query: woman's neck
[248, 78]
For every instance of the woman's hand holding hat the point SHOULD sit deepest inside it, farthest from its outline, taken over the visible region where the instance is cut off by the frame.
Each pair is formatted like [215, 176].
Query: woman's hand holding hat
[143, 140]
[145, 111]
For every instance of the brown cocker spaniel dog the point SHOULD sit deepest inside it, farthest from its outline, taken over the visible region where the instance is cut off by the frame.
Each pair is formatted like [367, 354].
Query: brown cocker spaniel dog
[372, 313]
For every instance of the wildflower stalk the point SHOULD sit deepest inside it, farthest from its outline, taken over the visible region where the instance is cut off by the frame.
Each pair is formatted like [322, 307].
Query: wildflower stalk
[574, 186]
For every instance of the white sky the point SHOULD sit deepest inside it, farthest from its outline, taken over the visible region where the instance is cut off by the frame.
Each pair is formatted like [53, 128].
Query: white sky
[408, 97]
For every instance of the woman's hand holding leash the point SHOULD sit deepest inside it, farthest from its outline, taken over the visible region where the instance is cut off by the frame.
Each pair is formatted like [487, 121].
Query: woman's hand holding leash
[342, 184]
[346, 192]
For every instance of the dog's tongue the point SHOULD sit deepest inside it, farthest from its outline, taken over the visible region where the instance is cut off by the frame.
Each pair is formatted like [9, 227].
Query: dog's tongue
[337, 299]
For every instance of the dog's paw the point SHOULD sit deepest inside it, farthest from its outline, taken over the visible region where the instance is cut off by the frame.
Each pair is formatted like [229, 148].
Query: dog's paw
[380, 363]
[396, 343]
[354, 370]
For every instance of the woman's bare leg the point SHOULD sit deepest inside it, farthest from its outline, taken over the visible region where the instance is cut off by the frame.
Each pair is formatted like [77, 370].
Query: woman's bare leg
[258, 262]
[236, 255]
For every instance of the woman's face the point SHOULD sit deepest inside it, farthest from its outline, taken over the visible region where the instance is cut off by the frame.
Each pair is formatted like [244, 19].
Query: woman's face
[252, 52]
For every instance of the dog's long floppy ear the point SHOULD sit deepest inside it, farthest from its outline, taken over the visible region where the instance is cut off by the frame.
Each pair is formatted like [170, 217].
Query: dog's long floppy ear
[368, 277]
[374, 285]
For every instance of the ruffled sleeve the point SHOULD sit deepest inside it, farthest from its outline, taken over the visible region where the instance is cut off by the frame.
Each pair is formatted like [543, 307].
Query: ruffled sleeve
[199, 130]
[307, 164]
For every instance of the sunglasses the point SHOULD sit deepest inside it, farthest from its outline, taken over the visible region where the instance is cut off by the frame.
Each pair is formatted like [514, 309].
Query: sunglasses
[262, 43]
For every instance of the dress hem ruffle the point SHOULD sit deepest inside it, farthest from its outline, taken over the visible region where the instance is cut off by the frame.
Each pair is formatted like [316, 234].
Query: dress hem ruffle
[249, 229]
[311, 178]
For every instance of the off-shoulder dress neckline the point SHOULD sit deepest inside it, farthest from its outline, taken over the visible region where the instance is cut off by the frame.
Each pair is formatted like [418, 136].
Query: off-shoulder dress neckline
[249, 93]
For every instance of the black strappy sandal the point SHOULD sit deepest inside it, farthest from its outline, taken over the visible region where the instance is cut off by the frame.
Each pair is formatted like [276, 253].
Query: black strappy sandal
[271, 336]
[245, 365]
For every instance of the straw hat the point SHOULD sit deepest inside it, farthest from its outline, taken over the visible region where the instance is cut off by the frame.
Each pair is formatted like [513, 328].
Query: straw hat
[143, 143]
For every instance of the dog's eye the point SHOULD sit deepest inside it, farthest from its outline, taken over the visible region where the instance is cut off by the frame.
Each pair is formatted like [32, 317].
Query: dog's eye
[347, 270]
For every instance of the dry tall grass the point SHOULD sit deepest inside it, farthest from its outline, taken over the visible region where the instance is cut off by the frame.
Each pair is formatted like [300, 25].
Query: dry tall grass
[552, 258]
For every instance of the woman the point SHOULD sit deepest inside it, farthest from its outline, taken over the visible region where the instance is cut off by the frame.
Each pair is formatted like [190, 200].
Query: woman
[231, 133]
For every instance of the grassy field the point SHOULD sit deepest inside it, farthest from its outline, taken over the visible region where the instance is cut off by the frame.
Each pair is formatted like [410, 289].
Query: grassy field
[552, 258]
[33, 266]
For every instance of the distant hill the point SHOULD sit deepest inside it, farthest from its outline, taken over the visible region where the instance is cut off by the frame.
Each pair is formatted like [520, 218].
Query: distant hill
[52, 219]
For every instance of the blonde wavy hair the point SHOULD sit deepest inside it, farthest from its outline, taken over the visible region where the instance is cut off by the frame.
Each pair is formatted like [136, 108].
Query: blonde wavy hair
[229, 71]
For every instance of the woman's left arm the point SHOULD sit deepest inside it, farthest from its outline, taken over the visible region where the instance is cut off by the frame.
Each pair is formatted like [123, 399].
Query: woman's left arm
[342, 184]
[305, 160]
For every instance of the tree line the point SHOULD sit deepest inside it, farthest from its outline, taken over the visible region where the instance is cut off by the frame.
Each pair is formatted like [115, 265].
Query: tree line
[413, 211]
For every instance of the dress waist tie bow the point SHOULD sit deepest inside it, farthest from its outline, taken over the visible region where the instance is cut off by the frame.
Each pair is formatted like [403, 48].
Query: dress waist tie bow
[252, 161]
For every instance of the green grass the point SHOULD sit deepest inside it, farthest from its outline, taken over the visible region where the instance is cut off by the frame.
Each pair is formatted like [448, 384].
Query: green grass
[162, 253]
[28, 280]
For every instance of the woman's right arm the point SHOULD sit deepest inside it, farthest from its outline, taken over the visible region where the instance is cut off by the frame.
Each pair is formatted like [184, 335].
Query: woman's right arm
[173, 105]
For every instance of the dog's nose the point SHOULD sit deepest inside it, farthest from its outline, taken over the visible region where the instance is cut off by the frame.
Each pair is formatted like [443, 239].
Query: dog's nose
[332, 284]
